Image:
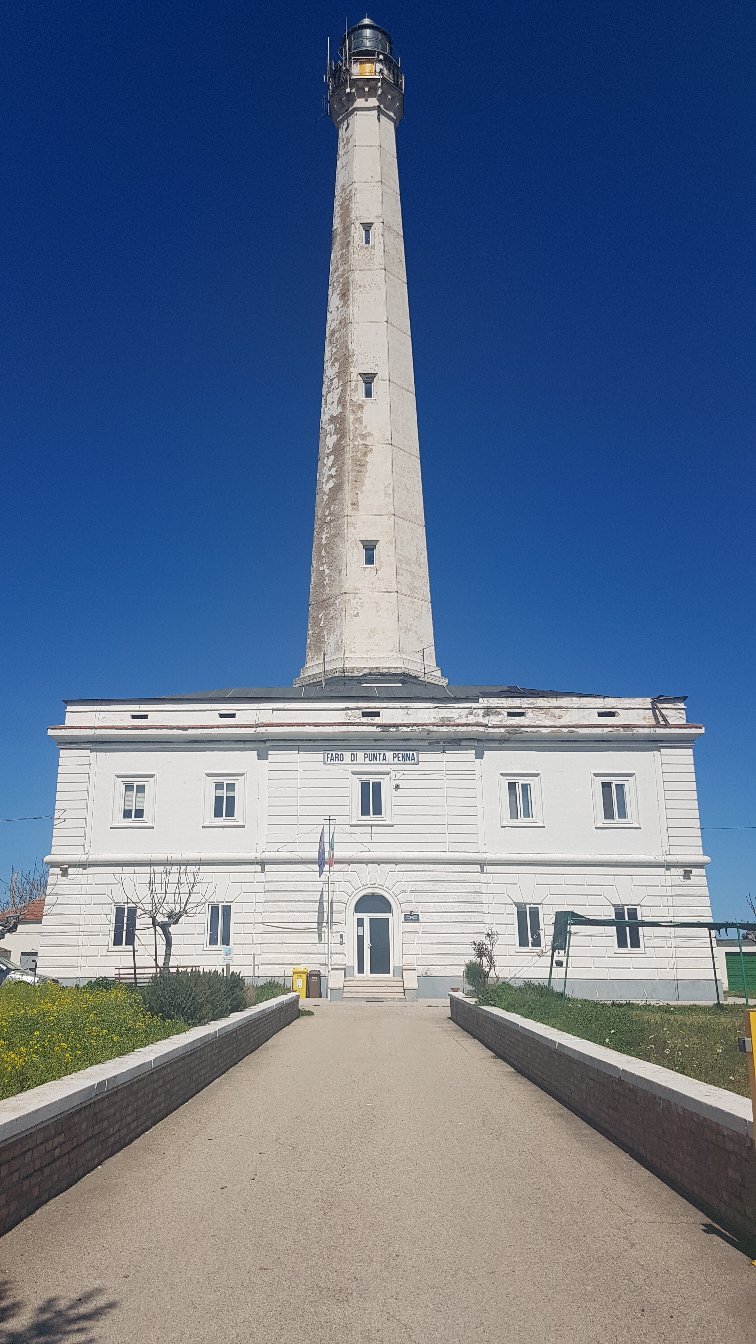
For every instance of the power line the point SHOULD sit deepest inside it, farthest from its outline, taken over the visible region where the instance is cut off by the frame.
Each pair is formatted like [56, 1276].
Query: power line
[47, 816]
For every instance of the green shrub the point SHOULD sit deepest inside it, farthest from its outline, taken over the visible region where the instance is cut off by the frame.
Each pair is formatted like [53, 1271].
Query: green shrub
[195, 996]
[475, 977]
[270, 989]
[101, 982]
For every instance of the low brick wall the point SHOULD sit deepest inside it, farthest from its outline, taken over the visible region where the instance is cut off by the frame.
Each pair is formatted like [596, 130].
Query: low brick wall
[53, 1135]
[699, 1139]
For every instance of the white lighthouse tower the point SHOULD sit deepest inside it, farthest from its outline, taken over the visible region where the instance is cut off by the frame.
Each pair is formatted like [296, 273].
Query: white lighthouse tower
[370, 608]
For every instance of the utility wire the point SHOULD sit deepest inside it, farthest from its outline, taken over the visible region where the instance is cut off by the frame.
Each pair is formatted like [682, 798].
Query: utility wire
[45, 817]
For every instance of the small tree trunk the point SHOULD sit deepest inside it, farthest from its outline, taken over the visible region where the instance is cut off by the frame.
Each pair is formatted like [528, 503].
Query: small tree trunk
[165, 929]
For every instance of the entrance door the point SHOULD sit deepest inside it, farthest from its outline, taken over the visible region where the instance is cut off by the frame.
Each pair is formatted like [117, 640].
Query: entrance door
[372, 927]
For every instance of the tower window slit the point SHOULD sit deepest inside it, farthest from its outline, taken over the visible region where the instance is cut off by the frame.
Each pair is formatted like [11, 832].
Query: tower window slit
[367, 385]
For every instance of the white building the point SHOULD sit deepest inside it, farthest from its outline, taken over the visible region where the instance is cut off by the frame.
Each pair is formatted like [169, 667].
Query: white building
[454, 808]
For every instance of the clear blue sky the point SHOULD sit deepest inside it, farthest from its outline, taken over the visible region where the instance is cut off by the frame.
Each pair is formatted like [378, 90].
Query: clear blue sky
[578, 190]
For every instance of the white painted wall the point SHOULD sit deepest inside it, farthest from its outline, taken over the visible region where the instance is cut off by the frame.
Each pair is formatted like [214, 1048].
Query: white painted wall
[444, 853]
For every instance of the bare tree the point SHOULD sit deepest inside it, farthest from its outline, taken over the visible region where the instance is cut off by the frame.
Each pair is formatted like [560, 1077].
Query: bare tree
[171, 893]
[17, 894]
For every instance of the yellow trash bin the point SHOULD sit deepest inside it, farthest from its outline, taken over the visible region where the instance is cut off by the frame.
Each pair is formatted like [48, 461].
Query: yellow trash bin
[299, 981]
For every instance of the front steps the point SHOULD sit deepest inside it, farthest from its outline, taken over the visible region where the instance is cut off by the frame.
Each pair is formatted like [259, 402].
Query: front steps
[387, 989]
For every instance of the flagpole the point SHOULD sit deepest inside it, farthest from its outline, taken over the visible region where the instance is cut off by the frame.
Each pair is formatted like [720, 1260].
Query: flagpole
[329, 823]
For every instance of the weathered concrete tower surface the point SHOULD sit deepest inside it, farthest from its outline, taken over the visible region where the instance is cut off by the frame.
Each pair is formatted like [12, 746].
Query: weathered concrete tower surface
[370, 608]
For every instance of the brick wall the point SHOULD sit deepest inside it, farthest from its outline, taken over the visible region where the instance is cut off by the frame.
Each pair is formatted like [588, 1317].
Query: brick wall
[698, 1138]
[53, 1135]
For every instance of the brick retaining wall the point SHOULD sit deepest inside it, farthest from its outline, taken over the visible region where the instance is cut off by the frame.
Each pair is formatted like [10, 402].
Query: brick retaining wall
[698, 1138]
[53, 1135]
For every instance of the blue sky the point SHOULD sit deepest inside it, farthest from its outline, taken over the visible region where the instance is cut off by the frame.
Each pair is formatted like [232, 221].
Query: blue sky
[578, 192]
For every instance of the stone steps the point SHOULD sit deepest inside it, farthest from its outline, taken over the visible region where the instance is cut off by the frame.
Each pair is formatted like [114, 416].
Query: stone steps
[358, 988]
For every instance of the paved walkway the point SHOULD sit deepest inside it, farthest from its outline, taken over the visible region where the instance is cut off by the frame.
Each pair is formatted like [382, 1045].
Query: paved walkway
[373, 1175]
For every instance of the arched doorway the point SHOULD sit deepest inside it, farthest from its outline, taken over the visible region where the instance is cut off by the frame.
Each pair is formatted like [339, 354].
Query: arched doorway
[373, 935]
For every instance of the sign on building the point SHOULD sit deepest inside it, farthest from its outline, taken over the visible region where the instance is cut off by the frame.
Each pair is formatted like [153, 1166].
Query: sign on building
[371, 757]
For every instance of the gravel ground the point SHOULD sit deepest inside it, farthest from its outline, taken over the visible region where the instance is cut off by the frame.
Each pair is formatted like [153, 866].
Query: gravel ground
[372, 1174]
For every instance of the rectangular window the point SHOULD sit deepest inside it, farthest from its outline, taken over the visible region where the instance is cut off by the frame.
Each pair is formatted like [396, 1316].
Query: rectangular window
[219, 926]
[614, 800]
[627, 937]
[520, 800]
[369, 549]
[367, 233]
[134, 797]
[224, 799]
[528, 926]
[124, 926]
[133, 800]
[371, 798]
[367, 385]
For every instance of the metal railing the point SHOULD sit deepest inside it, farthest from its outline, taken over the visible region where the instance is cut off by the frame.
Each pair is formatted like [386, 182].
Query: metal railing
[385, 66]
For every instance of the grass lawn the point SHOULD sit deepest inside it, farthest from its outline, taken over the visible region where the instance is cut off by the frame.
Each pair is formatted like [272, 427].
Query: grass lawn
[47, 1031]
[691, 1039]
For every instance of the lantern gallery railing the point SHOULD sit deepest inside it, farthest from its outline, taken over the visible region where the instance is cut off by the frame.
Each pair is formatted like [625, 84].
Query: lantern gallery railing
[366, 64]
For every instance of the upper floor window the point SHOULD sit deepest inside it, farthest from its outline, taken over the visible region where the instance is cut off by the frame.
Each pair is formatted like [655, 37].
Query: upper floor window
[224, 800]
[520, 800]
[219, 925]
[627, 936]
[367, 233]
[615, 800]
[369, 549]
[124, 926]
[134, 800]
[528, 926]
[367, 380]
[371, 798]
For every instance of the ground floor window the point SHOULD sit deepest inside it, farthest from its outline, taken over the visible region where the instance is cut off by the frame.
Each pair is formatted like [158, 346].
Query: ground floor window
[219, 926]
[124, 926]
[627, 936]
[529, 926]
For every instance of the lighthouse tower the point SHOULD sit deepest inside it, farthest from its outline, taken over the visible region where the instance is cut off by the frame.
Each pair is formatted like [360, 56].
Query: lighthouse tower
[370, 608]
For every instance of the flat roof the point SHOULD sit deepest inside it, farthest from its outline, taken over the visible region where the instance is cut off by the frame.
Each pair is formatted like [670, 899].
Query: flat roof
[361, 688]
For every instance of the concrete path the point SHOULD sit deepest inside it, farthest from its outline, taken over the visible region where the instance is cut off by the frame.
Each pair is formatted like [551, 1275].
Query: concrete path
[372, 1174]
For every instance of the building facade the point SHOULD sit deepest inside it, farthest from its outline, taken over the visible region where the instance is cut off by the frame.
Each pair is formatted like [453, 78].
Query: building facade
[452, 809]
